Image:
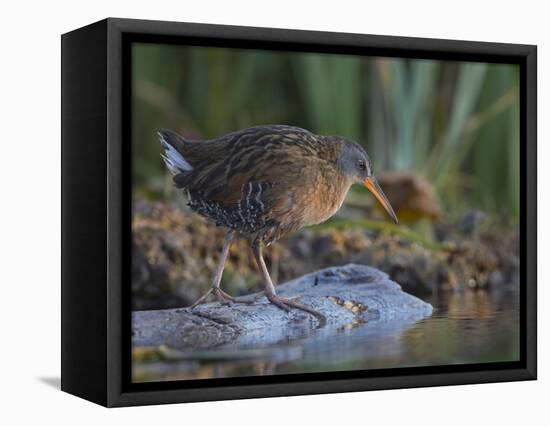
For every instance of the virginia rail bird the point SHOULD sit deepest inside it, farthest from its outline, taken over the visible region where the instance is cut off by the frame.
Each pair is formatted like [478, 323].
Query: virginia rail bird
[265, 182]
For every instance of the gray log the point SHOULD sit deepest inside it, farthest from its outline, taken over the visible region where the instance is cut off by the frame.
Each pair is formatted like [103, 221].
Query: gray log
[346, 295]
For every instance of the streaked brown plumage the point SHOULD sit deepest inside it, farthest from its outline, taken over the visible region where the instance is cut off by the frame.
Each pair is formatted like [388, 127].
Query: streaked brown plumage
[264, 182]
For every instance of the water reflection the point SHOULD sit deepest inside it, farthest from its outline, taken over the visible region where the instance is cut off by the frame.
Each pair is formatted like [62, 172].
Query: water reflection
[469, 327]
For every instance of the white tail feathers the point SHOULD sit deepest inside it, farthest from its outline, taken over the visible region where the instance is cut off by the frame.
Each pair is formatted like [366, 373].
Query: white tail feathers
[173, 159]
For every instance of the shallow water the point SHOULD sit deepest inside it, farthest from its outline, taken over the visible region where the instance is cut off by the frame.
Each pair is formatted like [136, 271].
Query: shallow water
[470, 327]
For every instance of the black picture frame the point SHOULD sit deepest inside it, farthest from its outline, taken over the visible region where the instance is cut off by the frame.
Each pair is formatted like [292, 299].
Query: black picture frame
[96, 212]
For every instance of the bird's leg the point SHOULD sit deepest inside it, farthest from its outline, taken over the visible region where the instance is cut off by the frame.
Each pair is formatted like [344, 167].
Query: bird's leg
[215, 289]
[281, 302]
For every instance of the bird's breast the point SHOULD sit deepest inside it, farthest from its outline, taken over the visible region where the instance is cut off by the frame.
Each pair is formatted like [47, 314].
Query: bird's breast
[318, 199]
[323, 205]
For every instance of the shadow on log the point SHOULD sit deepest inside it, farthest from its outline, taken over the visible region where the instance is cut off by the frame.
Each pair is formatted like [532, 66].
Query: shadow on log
[348, 296]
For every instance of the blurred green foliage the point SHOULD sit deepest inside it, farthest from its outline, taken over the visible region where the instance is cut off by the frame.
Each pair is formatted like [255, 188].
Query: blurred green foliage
[456, 123]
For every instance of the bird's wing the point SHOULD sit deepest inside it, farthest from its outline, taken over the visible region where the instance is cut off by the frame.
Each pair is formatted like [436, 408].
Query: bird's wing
[272, 156]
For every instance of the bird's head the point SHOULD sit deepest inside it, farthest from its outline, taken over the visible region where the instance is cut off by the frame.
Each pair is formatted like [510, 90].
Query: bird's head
[355, 164]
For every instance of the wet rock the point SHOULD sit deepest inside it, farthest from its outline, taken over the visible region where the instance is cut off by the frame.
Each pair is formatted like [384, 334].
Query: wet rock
[345, 295]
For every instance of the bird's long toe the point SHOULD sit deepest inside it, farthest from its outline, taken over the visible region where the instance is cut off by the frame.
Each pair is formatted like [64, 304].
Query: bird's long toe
[222, 297]
[226, 299]
[287, 305]
[202, 299]
[279, 302]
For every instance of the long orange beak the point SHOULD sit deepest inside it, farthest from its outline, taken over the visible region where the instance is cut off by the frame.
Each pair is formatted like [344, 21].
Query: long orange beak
[372, 185]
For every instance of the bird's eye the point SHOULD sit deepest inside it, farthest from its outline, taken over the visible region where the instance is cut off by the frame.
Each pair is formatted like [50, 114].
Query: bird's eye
[362, 165]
